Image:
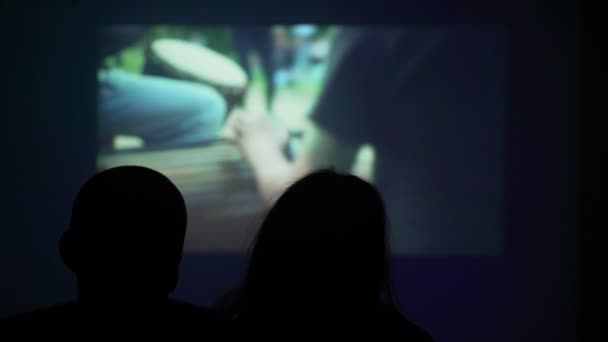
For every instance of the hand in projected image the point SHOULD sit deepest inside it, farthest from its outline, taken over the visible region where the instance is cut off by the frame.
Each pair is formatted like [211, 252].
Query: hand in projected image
[253, 131]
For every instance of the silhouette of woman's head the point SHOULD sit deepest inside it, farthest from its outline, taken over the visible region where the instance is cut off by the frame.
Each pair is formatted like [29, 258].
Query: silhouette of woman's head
[126, 233]
[324, 241]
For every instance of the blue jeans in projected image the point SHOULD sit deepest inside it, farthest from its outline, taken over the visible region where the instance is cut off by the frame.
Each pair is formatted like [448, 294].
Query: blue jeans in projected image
[161, 111]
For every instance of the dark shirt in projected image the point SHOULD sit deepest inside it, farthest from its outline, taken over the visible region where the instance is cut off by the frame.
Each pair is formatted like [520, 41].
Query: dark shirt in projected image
[431, 103]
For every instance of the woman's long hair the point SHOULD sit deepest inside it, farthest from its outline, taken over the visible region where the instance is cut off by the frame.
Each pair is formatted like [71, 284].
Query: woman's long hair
[323, 244]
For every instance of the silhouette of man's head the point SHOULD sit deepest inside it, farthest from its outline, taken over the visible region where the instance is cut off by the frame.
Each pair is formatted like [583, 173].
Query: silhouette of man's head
[126, 235]
[324, 241]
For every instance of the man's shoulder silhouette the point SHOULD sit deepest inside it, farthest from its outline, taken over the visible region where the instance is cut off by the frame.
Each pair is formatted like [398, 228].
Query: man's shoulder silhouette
[55, 313]
[72, 317]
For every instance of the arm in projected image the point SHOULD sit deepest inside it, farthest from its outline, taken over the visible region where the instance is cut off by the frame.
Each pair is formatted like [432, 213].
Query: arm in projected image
[262, 143]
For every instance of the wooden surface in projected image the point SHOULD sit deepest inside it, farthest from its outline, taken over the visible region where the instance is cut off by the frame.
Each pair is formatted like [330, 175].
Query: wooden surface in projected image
[224, 208]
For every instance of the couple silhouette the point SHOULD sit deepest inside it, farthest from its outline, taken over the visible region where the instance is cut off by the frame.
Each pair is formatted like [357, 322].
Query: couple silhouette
[319, 266]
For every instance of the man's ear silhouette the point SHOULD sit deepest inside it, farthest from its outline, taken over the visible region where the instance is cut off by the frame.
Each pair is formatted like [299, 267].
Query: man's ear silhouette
[67, 250]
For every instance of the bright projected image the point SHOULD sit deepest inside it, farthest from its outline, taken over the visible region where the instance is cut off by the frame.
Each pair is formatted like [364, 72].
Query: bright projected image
[234, 114]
